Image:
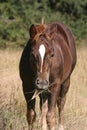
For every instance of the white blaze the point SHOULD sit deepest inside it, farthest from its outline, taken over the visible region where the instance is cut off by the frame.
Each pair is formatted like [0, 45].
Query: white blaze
[42, 54]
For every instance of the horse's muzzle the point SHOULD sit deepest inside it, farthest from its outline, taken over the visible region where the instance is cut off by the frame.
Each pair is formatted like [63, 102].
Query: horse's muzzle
[42, 84]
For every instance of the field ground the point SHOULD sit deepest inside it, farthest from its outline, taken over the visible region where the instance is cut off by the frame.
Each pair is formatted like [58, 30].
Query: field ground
[12, 102]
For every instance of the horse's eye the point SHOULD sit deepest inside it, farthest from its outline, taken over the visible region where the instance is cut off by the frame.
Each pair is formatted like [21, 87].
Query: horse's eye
[52, 55]
[52, 52]
[32, 55]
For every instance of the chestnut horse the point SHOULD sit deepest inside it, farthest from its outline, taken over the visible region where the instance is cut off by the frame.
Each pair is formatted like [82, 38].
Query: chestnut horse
[46, 65]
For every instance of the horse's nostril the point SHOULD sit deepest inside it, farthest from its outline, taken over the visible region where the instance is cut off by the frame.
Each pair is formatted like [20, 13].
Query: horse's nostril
[47, 82]
[37, 82]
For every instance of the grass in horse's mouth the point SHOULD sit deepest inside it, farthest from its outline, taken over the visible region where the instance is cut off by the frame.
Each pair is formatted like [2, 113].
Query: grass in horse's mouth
[37, 92]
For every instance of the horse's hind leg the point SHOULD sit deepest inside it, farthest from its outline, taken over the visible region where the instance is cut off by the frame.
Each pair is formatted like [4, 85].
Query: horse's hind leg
[61, 101]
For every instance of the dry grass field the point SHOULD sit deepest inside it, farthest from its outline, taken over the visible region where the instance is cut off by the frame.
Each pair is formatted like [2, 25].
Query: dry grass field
[12, 102]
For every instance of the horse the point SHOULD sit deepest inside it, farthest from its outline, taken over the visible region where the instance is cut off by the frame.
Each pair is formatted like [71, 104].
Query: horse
[46, 65]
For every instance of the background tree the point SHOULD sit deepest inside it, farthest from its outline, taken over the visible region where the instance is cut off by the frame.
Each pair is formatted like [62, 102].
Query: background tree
[16, 17]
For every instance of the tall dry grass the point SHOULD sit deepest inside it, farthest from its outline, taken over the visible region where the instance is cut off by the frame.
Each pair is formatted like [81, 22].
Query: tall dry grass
[12, 102]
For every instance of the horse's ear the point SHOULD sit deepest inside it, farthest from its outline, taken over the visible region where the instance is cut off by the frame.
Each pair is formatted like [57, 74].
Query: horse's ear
[53, 30]
[32, 31]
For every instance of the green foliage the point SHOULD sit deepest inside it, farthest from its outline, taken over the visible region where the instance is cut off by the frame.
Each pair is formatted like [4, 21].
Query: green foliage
[16, 16]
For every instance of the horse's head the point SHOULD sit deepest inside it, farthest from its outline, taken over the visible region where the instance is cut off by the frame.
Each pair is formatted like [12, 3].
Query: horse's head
[40, 56]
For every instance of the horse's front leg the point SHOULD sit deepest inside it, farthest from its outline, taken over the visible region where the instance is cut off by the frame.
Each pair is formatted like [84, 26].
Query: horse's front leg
[31, 115]
[51, 119]
[30, 106]
[44, 109]
[52, 101]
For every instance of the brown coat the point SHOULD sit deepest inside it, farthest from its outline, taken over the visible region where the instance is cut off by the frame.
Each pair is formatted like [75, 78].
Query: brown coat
[59, 62]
